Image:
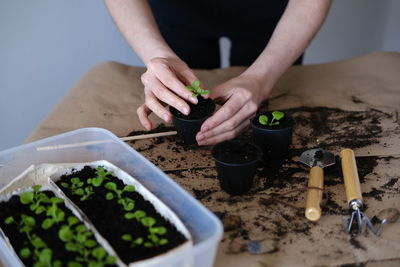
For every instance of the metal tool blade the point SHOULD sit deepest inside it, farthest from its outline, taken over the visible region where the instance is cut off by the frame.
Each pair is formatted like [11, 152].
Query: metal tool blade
[317, 157]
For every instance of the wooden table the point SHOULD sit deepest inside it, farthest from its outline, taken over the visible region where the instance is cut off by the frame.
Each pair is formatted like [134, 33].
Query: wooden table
[352, 103]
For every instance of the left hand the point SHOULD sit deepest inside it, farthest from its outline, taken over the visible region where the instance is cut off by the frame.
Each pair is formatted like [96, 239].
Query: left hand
[241, 97]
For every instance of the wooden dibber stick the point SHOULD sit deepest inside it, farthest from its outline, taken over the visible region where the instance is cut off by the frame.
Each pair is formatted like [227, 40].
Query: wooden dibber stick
[125, 139]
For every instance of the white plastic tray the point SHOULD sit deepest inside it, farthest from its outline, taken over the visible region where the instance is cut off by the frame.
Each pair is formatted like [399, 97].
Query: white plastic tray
[90, 144]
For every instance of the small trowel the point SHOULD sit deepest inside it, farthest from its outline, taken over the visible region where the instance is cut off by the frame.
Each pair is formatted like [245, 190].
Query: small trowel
[316, 159]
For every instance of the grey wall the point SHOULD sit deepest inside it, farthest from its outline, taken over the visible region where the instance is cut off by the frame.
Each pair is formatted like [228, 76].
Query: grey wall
[46, 45]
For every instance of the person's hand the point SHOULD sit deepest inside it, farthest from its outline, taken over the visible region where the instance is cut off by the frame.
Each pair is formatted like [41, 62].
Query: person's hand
[164, 83]
[241, 97]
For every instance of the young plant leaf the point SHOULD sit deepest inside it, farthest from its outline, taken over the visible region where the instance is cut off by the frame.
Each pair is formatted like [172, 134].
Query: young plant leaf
[36, 188]
[98, 253]
[90, 243]
[148, 221]
[9, 220]
[25, 253]
[28, 220]
[26, 198]
[65, 234]
[126, 237]
[72, 220]
[65, 185]
[111, 186]
[129, 215]
[40, 209]
[263, 120]
[277, 115]
[109, 196]
[163, 241]
[38, 243]
[129, 188]
[47, 223]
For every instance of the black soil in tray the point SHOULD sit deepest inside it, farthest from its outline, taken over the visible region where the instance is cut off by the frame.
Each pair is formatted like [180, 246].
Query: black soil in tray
[238, 153]
[284, 123]
[197, 111]
[108, 218]
[13, 207]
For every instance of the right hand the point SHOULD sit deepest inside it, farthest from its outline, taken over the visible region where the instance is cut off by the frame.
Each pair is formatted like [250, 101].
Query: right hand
[164, 83]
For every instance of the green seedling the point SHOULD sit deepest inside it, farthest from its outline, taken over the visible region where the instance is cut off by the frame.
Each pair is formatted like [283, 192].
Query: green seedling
[78, 238]
[35, 199]
[196, 89]
[55, 214]
[77, 188]
[40, 253]
[101, 176]
[276, 117]
[154, 232]
[127, 203]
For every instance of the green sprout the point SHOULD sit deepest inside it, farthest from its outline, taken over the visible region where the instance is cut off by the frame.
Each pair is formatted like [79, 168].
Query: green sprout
[154, 231]
[35, 199]
[126, 202]
[77, 188]
[276, 117]
[40, 253]
[78, 238]
[101, 176]
[196, 89]
[54, 213]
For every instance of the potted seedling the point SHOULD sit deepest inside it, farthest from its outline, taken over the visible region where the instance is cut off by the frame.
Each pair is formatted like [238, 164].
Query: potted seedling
[236, 162]
[188, 126]
[273, 133]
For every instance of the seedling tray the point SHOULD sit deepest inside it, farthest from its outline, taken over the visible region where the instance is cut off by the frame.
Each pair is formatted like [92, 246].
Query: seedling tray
[91, 144]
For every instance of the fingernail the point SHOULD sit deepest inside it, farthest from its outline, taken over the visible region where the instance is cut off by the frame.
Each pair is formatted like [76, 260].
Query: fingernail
[204, 129]
[199, 137]
[193, 99]
[165, 117]
[185, 110]
[202, 142]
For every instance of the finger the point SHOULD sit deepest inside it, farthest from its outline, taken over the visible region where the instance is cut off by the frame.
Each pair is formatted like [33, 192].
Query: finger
[166, 96]
[227, 111]
[225, 135]
[154, 105]
[143, 113]
[229, 125]
[171, 81]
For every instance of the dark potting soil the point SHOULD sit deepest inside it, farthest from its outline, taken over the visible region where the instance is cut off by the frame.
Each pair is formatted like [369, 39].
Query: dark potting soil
[108, 218]
[237, 152]
[13, 207]
[284, 123]
[198, 111]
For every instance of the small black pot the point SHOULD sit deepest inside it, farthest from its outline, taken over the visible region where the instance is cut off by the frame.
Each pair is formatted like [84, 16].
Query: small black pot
[273, 140]
[188, 126]
[236, 175]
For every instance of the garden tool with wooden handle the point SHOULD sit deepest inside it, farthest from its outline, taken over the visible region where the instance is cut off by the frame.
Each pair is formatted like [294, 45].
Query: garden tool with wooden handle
[316, 159]
[353, 195]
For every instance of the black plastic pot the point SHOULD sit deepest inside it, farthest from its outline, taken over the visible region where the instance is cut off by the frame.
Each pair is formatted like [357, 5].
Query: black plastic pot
[273, 140]
[236, 178]
[186, 126]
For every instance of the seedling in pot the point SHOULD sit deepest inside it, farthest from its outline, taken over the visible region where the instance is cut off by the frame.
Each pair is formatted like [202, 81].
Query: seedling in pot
[126, 202]
[276, 117]
[196, 89]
